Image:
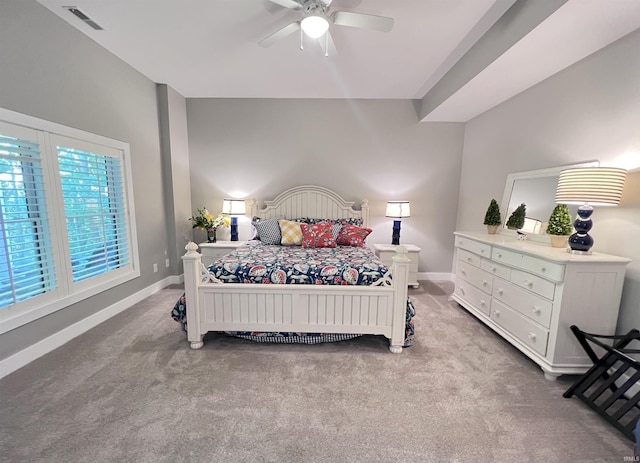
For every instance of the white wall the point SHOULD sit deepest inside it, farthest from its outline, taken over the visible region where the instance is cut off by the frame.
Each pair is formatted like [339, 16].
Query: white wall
[362, 149]
[589, 111]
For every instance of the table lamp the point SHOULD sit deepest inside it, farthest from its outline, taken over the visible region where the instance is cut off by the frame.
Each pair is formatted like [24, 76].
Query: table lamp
[397, 210]
[234, 208]
[588, 187]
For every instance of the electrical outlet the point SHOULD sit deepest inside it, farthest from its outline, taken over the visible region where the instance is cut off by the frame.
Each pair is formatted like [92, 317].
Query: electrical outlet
[155, 268]
[167, 263]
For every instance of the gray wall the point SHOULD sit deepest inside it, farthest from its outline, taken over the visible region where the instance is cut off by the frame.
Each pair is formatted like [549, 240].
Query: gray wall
[172, 114]
[362, 149]
[59, 74]
[589, 111]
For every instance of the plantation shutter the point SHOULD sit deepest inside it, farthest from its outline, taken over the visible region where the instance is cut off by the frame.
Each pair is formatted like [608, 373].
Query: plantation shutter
[26, 257]
[95, 211]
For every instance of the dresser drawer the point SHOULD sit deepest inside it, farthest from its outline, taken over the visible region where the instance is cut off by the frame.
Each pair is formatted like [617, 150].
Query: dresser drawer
[469, 258]
[496, 269]
[534, 307]
[475, 247]
[530, 334]
[478, 299]
[543, 268]
[544, 288]
[477, 277]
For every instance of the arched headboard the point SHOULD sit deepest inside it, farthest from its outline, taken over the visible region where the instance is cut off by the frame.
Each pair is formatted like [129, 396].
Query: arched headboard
[310, 201]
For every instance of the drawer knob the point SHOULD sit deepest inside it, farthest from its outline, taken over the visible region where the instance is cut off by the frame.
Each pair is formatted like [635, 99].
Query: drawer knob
[532, 336]
[536, 309]
[500, 291]
[493, 269]
[481, 251]
[484, 283]
[499, 255]
[529, 284]
[497, 312]
[461, 290]
[482, 303]
[469, 259]
[543, 269]
[463, 271]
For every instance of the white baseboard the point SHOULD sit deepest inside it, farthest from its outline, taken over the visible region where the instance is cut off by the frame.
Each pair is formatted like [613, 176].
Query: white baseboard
[434, 276]
[25, 356]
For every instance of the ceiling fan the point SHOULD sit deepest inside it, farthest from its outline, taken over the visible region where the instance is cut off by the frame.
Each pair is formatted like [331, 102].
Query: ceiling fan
[317, 18]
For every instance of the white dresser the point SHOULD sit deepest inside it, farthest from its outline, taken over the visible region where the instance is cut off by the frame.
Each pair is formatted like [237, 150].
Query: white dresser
[531, 293]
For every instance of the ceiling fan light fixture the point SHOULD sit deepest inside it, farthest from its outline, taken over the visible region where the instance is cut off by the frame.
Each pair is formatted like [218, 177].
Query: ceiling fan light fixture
[314, 25]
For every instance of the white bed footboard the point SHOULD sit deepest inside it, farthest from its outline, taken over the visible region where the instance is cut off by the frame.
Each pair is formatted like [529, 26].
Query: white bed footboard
[217, 306]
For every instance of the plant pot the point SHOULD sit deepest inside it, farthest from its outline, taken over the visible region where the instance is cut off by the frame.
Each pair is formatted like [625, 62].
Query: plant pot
[559, 241]
[211, 235]
[492, 229]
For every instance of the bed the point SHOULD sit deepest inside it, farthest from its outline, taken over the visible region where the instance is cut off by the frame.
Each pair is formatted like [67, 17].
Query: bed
[372, 302]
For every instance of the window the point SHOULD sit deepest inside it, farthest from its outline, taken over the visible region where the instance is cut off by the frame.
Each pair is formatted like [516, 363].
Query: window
[66, 217]
[26, 263]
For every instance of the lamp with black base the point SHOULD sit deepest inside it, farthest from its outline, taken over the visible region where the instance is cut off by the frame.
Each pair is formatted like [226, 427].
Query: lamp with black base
[234, 207]
[397, 210]
[588, 187]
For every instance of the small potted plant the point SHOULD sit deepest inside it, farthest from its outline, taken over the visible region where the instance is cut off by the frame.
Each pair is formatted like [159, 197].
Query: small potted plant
[492, 218]
[560, 226]
[516, 220]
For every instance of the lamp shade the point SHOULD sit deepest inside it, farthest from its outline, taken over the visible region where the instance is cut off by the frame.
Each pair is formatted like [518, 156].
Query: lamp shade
[597, 186]
[398, 209]
[233, 207]
[314, 25]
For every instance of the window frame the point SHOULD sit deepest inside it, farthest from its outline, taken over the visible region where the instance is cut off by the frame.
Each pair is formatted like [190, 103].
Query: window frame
[67, 292]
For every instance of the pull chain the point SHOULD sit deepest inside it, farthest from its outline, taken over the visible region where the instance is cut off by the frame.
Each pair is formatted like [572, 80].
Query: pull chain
[326, 44]
[301, 39]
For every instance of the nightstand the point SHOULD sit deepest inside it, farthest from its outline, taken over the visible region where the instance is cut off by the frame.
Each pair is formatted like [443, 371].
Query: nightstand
[385, 253]
[214, 251]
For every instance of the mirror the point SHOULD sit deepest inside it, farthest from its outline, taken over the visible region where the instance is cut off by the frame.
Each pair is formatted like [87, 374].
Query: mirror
[537, 190]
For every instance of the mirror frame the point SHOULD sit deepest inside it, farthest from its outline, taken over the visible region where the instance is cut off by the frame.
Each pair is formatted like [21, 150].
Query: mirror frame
[529, 174]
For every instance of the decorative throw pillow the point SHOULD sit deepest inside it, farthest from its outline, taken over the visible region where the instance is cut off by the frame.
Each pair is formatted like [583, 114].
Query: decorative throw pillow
[352, 235]
[317, 236]
[268, 231]
[336, 224]
[291, 233]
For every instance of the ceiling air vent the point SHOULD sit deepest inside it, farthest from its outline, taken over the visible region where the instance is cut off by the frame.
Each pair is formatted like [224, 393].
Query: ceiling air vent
[86, 19]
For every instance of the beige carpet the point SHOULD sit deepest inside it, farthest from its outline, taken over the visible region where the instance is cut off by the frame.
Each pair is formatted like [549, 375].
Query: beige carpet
[131, 390]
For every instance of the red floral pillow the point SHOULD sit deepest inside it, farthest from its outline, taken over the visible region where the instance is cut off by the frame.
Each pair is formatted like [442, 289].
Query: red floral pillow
[317, 235]
[352, 235]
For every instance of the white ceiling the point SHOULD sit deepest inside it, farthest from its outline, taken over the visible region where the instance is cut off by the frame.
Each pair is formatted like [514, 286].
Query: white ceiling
[208, 48]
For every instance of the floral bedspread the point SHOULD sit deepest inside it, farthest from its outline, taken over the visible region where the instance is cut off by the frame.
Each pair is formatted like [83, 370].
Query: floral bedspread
[264, 264]
[259, 263]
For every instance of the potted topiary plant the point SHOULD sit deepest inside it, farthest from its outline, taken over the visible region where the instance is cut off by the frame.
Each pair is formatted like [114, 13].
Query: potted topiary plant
[516, 220]
[492, 218]
[560, 226]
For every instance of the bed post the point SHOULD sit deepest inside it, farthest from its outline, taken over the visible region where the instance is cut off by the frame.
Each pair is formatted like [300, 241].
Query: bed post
[400, 272]
[192, 262]
[364, 209]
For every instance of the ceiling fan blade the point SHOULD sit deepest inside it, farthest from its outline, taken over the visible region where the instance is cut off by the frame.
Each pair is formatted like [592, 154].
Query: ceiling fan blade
[292, 4]
[363, 21]
[280, 34]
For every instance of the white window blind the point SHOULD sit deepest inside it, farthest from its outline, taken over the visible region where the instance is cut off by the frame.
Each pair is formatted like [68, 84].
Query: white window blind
[26, 260]
[66, 217]
[93, 195]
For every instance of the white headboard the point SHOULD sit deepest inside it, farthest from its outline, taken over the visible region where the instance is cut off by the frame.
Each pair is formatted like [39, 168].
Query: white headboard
[310, 201]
